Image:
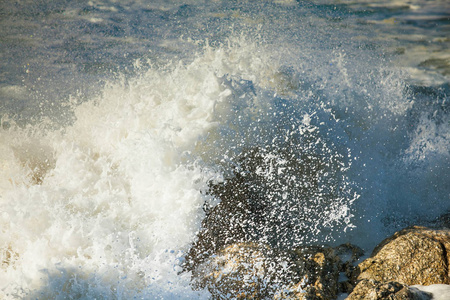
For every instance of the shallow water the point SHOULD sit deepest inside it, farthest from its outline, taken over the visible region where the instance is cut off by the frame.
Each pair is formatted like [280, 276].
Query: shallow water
[116, 118]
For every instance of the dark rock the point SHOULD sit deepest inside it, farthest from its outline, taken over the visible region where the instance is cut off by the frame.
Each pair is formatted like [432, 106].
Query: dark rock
[275, 199]
[345, 287]
[274, 196]
[320, 268]
[348, 253]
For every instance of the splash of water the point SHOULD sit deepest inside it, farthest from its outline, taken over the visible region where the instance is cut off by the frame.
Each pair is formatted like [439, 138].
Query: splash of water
[109, 205]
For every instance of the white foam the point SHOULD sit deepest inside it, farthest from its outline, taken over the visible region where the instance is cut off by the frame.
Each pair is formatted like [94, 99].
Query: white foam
[438, 291]
[112, 208]
[108, 205]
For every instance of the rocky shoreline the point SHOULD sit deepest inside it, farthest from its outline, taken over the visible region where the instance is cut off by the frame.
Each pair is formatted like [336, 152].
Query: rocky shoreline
[245, 249]
[411, 264]
[247, 246]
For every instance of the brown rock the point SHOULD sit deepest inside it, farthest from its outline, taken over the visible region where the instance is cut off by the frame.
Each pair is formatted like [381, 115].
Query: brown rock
[415, 255]
[368, 289]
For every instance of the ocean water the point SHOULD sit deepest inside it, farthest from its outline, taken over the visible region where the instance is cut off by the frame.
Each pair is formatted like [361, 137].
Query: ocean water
[117, 117]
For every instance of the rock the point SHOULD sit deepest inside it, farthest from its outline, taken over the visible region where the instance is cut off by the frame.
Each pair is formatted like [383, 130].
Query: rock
[246, 271]
[349, 255]
[368, 289]
[415, 255]
[263, 198]
[274, 198]
[412, 256]
[239, 217]
[238, 271]
[255, 271]
[320, 273]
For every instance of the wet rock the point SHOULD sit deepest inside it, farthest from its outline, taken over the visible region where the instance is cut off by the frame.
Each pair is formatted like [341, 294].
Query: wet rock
[238, 271]
[246, 271]
[256, 271]
[415, 255]
[238, 217]
[412, 256]
[274, 199]
[349, 255]
[368, 289]
[319, 272]
[264, 198]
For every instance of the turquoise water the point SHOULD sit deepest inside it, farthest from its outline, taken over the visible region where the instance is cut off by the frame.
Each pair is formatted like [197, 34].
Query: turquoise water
[117, 118]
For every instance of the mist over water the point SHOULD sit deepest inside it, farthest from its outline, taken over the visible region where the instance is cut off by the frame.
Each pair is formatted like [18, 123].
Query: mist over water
[124, 124]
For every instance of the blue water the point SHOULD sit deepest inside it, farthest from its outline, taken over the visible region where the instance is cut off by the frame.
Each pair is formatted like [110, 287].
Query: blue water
[117, 118]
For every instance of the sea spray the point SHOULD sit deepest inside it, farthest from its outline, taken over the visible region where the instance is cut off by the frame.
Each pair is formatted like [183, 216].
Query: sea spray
[106, 198]
[114, 200]
[114, 207]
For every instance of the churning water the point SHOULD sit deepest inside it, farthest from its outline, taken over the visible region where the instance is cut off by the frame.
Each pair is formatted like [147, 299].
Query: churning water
[124, 123]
